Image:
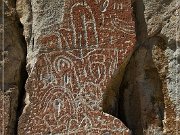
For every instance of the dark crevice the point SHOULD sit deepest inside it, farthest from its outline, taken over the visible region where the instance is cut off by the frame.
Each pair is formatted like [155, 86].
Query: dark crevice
[129, 99]
[23, 77]
[111, 95]
[140, 23]
[134, 96]
[121, 114]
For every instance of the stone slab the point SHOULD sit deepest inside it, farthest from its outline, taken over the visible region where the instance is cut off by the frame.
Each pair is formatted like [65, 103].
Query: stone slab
[76, 60]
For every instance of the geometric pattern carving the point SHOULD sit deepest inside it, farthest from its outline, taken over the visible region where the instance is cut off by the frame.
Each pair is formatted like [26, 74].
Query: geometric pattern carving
[75, 62]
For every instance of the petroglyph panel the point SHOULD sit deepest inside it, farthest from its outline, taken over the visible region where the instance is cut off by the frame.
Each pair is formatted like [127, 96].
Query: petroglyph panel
[92, 24]
[73, 67]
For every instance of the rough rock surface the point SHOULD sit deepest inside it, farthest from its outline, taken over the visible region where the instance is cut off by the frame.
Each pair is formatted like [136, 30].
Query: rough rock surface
[75, 47]
[12, 63]
[75, 69]
[167, 26]
[150, 86]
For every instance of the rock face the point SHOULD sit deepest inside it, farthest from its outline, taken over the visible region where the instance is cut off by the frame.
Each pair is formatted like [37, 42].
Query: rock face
[87, 72]
[75, 48]
[166, 27]
[154, 87]
[12, 64]
[166, 58]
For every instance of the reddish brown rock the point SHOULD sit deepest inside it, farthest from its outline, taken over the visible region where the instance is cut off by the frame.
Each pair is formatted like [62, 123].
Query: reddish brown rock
[76, 60]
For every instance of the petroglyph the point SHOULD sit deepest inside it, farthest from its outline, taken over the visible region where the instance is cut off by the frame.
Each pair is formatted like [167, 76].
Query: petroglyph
[104, 6]
[83, 25]
[90, 25]
[73, 67]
